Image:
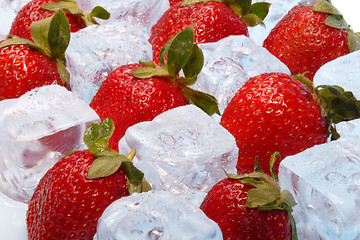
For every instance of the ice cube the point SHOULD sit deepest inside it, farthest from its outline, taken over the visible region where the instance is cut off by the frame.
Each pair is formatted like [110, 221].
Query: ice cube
[229, 63]
[144, 13]
[155, 215]
[97, 50]
[181, 149]
[343, 71]
[38, 129]
[12, 218]
[325, 181]
[278, 9]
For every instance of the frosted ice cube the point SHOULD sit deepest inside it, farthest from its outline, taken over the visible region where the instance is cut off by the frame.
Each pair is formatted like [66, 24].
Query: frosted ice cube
[278, 9]
[325, 181]
[97, 50]
[155, 215]
[181, 149]
[12, 219]
[349, 128]
[144, 13]
[229, 63]
[343, 71]
[37, 130]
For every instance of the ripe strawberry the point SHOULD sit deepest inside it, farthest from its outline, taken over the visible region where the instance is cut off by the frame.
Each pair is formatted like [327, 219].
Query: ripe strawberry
[72, 195]
[134, 93]
[25, 65]
[212, 21]
[310, 36]
[277, 112]
[37, 10]
[251, 206]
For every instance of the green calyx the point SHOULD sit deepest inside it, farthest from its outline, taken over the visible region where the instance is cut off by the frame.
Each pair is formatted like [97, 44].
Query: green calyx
[107, 161]
[71, 7]
[336, 20]
[252, 14]
[181, 54]
[337, 105]
[51, 37]
[266, 193]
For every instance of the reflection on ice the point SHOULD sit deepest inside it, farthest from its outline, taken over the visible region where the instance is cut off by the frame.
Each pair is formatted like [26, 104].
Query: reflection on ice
[155, 215]
[325, 182]
[181, 149]
[37, 130]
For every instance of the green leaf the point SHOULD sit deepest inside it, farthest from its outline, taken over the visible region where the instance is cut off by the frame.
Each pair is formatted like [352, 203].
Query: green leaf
[288, 199]
[252, 20]
[260, 197]
[105, 166]
[40, 32]
[96, 136]
[14, 40]
[180, 50]
[272, 161]
[353, 41]
[147, 72]
[206, 102]
[194, 64]
[336, 22]
[100, 12]
[63, 72]
[55, 6]
[59, 34]
[325, 7]
[260, 9]
[135, 179]
[189, 2]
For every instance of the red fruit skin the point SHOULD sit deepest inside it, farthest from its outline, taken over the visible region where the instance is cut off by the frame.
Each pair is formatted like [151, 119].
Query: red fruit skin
[273, 112]
[32, 12]
[22, 69]
[128, 100]
[304, 43]
[212, 21]
[225, 204]
[66, 205]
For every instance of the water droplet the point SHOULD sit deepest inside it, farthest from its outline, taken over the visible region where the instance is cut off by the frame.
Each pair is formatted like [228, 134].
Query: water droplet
[336, 178]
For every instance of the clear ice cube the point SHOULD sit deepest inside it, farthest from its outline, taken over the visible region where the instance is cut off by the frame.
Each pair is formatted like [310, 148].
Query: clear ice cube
[325, 181]
[144, 13]
[97, 50]
[278, 9]
[155, 215]
[343, 71]
[38, 129]
[181, 149]
[229, 63]
[12, 218]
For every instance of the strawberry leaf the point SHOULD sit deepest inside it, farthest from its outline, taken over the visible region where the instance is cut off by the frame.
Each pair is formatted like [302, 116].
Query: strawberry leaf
[104, 166]
[326, 7]
[63, 72]
[252, 20]
[336, 22]
[96, 136]
[194, 64]
[100, 12]
[147, 72]
[55, 6]
[206, 102]
[180, 50]
[353, 41]
[260, 9]
[58, 34]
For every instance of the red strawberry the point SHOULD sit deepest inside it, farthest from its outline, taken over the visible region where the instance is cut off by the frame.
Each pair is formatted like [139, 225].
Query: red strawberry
[212, 21]
[134, 93]
[37, 10]
[25, 65]
[72, 195]
[310, 36]
[277, 112]
[251, 206]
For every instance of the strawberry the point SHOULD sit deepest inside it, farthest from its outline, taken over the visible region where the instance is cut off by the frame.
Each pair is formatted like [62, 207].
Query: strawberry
[277, 112]
[37, 10]
[307, 37]
[212, 20]
[136, 92]
[25, 65]
[251, 206]
[72, 195]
